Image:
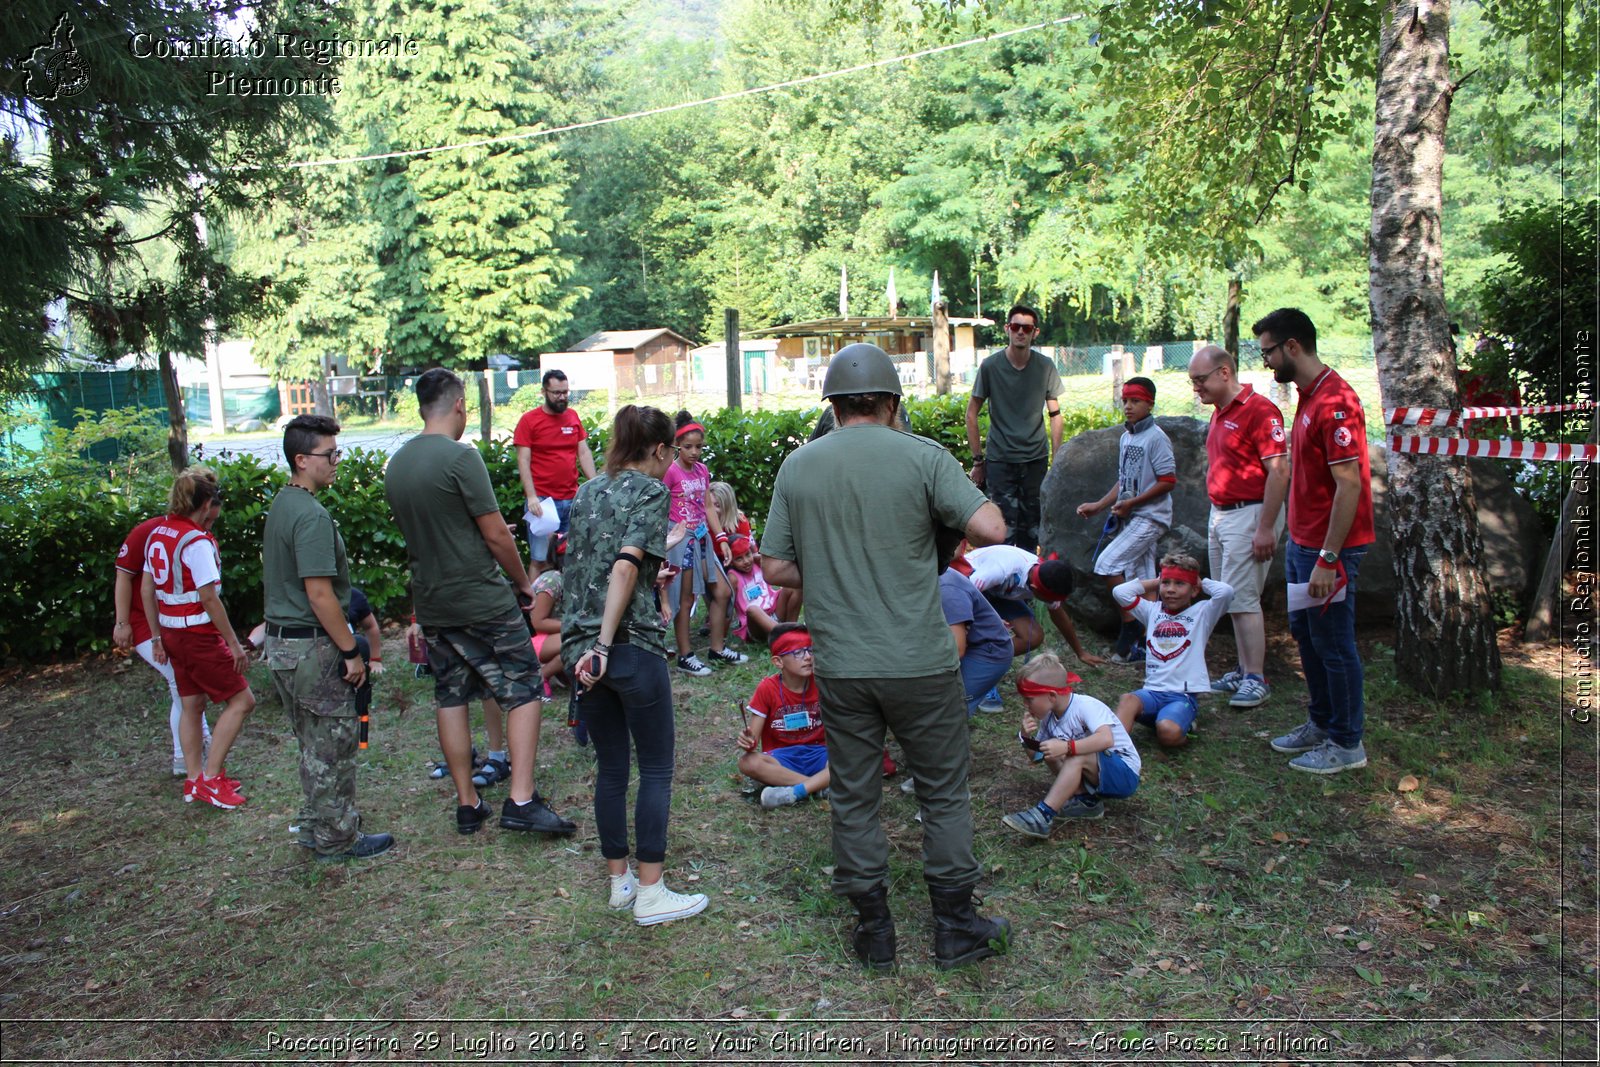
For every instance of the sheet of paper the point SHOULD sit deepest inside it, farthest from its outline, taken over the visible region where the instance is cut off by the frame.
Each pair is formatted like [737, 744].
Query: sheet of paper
[1300, 599]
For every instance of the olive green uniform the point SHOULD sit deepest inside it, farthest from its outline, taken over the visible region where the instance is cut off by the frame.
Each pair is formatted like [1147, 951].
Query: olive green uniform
[301, 541]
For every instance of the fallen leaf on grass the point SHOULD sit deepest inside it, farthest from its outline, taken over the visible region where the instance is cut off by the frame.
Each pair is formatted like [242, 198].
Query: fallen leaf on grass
[1280, 837]
[740, 1012]
[1137, 972]
[1408, 784]
[1165, 965]
[1270, 866]
[561, 891]
[1363, 946]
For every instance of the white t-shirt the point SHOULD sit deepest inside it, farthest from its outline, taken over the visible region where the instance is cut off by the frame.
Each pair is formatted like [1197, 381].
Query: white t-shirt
[1002, 571]
[1085, 715]
[1175, 645]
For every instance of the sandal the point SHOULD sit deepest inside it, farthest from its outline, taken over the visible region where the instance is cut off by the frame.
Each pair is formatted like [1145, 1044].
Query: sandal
[492, 772]
[438, 768]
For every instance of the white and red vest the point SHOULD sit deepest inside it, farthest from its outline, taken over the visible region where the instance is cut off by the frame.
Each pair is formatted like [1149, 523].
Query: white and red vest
[177, 598]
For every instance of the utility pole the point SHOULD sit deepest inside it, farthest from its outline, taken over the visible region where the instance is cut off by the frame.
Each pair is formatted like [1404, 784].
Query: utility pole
[730, 340]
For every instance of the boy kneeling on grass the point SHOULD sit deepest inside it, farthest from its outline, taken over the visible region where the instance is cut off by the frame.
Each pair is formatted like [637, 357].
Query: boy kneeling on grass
[1176, 628]
[790, 755]
[1083, 743]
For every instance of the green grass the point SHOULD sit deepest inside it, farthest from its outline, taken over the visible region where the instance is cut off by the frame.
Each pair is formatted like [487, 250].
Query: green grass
[1228, 897]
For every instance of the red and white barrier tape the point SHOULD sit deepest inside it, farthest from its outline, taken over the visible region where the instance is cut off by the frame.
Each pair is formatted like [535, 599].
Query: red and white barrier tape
[1447, 417]
[1460, 446]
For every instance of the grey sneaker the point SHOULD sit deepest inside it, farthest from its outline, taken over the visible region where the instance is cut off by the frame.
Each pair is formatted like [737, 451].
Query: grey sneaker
[908, 786]
[1228, 683]
[1252, 692]
[179, 768]
[1029, 822]
[991, 704]
[1303, 738]
[1329, 758]
[777, 796]
[727, 655]
[1082, 806]
[691, 664]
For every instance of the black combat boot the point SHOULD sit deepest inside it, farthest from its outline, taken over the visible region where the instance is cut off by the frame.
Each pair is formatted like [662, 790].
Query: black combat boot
[873, 939]
[961, 935]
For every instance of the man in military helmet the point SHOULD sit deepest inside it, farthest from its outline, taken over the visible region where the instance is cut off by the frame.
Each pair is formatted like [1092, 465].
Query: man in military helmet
[854, 520]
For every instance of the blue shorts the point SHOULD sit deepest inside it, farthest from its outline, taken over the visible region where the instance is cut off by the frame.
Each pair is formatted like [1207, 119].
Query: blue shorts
[1117, 779]
[1156, 706]
[1010, 610]
[539, 547]
[802, 759]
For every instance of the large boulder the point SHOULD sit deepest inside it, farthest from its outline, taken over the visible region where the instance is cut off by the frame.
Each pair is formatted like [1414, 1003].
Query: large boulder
[1086, 466]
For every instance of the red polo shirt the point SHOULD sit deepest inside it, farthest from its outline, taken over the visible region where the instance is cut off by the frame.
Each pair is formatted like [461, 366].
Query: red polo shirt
[130, 560]
[1243, 432]
[1329, 428]
[552, 441]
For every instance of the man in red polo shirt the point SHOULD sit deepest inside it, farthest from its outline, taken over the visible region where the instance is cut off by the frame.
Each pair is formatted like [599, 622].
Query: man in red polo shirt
[1247, 479]
[548, 440]
[1330, 527]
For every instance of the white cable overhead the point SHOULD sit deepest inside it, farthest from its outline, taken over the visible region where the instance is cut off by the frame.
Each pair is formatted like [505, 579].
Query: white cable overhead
[527, 135]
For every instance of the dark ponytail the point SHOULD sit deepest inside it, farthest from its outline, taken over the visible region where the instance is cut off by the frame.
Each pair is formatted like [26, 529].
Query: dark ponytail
[634, 432]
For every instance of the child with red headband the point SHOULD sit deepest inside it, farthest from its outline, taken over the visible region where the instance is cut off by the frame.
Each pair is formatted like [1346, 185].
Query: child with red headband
[786, 750]
[1011, 579]
[1082, 742]
[702, 555]
[755, 602]
[1176, 627]
[1140, 503]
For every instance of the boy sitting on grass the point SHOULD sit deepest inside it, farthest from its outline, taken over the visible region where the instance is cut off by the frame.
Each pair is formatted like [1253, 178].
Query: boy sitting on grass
[1176, 628]
[1084, 745]
[786, 751]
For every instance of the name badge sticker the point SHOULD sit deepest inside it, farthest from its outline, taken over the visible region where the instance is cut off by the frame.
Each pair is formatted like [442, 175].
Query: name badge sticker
[796, 720]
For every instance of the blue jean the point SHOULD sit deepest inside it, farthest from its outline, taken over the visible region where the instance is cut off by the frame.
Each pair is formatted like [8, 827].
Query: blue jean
[1328, 654]
[979, 675]
[632, 701]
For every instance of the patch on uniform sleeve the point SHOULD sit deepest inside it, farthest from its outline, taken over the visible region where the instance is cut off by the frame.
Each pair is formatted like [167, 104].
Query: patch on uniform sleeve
[1342, 437]
[1277, 433]
[1338, 414]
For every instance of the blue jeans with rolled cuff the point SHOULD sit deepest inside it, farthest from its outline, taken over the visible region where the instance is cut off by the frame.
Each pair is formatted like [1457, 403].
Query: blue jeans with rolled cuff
[1328, 654]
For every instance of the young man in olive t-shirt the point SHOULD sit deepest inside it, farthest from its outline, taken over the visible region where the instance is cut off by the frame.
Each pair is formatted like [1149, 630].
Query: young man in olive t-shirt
[458, 544]
[315, 663]
[1016, 381]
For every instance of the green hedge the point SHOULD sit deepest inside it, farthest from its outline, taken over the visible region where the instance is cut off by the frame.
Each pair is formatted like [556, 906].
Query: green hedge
[62, 522]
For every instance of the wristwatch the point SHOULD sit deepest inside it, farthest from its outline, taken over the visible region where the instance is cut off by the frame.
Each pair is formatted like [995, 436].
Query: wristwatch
[1327, 558]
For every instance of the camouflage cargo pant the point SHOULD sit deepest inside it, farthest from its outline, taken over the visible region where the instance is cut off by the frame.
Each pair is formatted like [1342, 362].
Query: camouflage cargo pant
[308, 674]
[493, 659]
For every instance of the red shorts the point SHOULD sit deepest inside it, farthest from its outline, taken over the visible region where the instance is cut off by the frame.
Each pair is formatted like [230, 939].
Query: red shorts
[202, 663]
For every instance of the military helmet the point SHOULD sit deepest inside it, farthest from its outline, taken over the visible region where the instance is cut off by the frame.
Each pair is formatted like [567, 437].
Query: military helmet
[860, 368]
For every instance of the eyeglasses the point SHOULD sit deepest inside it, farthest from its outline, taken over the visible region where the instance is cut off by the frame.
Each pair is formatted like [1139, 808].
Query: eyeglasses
[1020, 327]
[553, 395]
[1198, 382]
[798, 653]
[331, 455]
[1265, 352]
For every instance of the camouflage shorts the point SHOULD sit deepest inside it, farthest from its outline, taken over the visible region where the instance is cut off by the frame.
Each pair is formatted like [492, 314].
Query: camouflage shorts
[493, 659]
[308, 673]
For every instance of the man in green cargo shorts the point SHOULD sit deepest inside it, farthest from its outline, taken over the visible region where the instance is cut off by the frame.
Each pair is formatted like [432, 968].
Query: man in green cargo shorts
[316, 667]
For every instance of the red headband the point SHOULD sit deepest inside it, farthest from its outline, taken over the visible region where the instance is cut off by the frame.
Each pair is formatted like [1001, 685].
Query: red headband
[688, 427]
[1030, 688]
[740, 546]
[1038, 588]
[1181, 574]
[1135, 391]
[789, 642]
[961, 566]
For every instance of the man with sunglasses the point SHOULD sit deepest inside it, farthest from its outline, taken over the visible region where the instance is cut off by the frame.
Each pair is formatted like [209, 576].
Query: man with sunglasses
[315, 662]
[1247, 480]
[1017, 381]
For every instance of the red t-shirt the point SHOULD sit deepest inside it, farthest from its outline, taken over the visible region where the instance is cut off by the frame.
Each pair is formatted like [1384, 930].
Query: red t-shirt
[1329, 428]
[552, 441]
[130, 560]
[1246, 431]
[791, 718]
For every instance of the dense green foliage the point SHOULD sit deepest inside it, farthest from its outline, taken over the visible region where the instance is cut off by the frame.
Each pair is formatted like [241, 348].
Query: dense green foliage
[69, 502]
[103, 181]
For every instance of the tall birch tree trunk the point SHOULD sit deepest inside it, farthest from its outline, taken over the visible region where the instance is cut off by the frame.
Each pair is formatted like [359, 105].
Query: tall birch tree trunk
[1444, 621]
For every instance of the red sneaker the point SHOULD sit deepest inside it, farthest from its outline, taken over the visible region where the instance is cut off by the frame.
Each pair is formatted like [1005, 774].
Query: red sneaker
[190, 785]
[220, 792]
